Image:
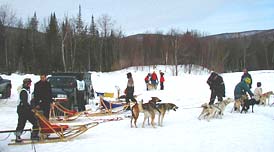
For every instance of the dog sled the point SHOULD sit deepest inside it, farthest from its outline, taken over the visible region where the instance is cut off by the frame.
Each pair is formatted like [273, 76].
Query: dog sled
[60, 113]
[50, 133]
[108, 108]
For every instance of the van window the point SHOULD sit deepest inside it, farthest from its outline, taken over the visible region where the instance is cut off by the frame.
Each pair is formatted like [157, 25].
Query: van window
[62, 82]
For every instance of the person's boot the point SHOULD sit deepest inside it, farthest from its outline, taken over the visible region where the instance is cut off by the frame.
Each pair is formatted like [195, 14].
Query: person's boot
[18, 138]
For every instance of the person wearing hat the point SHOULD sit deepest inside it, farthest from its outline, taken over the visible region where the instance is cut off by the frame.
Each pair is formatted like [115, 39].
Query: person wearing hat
[258, 92]
[43, 95]
[24, 111]
[242, 87]
[130, 89]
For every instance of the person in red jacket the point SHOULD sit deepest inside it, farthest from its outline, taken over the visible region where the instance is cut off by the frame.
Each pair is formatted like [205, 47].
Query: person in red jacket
[147, 79]
[162, 80]
[154, 79]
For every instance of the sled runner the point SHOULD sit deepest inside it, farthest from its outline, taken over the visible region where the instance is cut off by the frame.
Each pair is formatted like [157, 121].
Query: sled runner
[55, 133]
[60, 113]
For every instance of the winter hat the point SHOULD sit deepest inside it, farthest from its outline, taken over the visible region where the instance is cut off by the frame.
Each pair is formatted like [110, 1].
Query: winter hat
[247, 80]
[26, 81]
[129, 75]
[259, 84]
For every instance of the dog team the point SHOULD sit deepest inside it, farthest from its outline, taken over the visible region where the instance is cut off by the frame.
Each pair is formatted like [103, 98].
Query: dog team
[241, 100]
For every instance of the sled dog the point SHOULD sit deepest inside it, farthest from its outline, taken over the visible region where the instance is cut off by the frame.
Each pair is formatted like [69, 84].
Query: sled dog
[247, 104]
[238, 103]
[150, 86]
[222, 105]
[147, 108]
[264, 97]
[208, 112]
[163, 108]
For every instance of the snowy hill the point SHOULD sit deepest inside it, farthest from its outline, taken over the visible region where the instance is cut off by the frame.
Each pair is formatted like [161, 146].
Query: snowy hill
[181, 131]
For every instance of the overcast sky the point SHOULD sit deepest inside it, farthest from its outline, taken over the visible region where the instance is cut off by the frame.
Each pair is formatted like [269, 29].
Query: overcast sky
[140, 16]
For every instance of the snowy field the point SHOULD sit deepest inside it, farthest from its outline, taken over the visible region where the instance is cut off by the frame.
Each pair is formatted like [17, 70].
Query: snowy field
[181, 131]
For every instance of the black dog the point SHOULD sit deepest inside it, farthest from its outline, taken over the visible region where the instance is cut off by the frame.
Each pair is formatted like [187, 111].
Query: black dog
[247, 104]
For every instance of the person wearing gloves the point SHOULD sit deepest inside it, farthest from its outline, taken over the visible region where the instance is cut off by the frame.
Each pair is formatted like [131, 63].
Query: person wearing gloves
[242, 88]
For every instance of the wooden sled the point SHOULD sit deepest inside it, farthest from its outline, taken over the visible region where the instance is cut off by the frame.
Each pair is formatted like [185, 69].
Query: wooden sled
[60, 113]
[111, 106]
[55, 133]
[108, 108]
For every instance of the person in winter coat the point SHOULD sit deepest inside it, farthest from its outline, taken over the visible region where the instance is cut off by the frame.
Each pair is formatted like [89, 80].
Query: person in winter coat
[81, 88]
[217, 87]
[43, 95]
[162, 80]
[154, 79]
[258, 92]
[24, 111]
[242, 87]
[246, 75]
[147, 78]
[130, 89]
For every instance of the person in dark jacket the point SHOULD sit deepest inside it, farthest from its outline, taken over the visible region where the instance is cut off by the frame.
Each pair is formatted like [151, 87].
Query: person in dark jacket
[81, 88]
[43, 95]
[24, 111]
[217, 87]
[242, 87]
[130, 89]
[247, 75]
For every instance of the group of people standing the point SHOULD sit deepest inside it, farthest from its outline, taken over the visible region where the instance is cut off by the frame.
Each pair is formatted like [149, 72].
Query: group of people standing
[217, 87]
[42, 101]
[152, 79]
[129, 91]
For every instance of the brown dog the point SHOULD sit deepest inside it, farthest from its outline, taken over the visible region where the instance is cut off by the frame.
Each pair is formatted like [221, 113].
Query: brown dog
[150, 86]
[238, 103]
[147, 108]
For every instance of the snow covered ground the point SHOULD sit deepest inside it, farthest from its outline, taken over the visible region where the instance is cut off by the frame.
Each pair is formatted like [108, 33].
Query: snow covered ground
[182, 131]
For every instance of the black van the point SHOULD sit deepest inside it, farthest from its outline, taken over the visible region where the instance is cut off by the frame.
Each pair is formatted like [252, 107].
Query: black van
[64, 88]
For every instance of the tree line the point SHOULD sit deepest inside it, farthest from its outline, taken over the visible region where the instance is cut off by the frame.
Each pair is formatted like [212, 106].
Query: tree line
[71, 46]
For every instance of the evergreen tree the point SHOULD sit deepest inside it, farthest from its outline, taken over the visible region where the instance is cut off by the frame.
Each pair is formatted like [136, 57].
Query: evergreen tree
[54, 53]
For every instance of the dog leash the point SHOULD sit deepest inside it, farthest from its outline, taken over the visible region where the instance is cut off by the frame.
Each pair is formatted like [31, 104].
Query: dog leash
[190, 107]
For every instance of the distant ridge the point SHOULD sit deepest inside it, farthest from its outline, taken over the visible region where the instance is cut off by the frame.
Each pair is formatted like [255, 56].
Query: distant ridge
[218, 36]
[242, 34]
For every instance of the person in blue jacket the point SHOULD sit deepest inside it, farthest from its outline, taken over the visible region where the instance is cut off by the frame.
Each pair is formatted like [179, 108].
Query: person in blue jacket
[242, 88]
